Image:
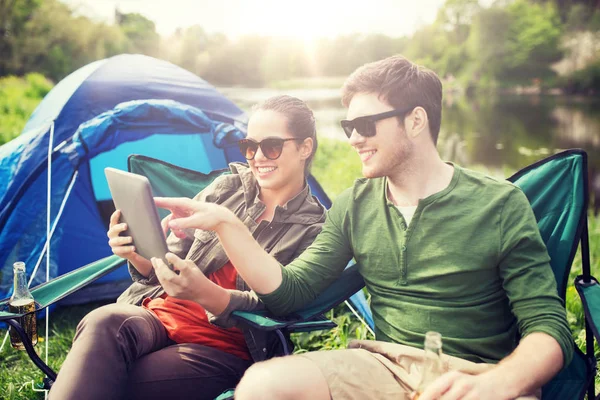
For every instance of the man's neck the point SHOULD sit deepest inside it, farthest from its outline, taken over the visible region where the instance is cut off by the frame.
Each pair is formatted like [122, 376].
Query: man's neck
[420, 179]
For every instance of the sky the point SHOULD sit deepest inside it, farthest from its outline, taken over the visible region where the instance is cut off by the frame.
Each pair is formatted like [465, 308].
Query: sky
[307, 19]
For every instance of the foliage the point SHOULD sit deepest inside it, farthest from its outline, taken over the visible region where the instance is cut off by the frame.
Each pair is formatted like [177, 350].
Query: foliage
[140, 31]
[584, 81]
[18, 99]
[573, 304]
[505, 44]
[18, 372]
[348, 328]
[336, 166]
[56, 42]
[517, 43]
[13, 17]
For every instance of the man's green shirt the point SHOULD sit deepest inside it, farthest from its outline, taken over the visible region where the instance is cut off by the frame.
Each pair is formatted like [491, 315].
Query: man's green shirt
[471, 265]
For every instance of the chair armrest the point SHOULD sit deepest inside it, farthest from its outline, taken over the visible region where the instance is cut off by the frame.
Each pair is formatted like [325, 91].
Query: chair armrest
[345, 286]
[52, 291]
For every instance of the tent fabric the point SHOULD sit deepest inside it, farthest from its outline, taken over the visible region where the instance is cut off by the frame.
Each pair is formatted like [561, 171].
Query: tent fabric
[97, 88]
[101, 85]
[93, 119]
[80, 232]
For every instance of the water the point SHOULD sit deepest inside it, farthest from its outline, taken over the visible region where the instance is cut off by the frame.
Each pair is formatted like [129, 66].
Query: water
[497, 134]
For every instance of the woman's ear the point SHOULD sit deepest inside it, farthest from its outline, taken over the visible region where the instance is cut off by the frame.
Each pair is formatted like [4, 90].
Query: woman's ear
[306, 148]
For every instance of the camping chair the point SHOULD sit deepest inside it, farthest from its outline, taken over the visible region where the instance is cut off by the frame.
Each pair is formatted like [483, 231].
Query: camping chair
[557, 190]
[166, 180]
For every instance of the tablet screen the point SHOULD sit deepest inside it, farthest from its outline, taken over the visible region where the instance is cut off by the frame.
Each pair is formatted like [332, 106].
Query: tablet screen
[132, 194]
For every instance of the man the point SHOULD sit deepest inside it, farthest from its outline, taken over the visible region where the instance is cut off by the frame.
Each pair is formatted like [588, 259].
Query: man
[441, 248]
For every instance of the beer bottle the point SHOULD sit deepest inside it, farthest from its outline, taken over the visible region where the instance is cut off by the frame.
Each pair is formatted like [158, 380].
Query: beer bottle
[21, 302]
[433, 365]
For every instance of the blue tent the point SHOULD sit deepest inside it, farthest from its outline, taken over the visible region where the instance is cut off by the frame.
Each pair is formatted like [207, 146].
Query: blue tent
[92, 119]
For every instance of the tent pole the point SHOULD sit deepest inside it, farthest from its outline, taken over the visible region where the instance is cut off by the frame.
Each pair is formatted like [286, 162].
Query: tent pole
[48, 216]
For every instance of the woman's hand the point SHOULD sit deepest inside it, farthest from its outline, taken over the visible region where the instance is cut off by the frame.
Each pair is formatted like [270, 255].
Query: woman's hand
[189, 284]
[122, 246]
[190, 214]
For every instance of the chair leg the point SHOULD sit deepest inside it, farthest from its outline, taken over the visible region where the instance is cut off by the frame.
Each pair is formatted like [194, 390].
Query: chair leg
[286, 349]
[50, 374]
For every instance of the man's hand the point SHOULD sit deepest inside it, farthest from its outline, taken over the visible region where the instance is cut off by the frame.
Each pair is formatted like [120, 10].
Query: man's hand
[456, 385]
[190, 284]
[190, 214]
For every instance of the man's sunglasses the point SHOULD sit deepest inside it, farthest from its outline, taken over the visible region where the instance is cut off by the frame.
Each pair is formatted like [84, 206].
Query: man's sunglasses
[365, 126]
[271, 147]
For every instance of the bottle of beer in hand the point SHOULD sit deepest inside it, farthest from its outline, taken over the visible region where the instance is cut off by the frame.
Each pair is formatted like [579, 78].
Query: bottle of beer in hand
[21, 302]
[433, 366]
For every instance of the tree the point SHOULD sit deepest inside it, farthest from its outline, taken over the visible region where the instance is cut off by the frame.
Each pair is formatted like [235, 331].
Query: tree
[14, 14]
[55, 43]
[533, 39]
[516, 43]
[488, 42]
[456, 16]
[140, 31]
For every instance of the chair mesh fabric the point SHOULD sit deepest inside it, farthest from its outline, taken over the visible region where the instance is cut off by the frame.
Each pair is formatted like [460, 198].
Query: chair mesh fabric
[555, 188]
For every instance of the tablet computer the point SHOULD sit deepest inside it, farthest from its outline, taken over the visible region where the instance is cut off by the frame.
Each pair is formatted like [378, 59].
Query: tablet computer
[132, 195]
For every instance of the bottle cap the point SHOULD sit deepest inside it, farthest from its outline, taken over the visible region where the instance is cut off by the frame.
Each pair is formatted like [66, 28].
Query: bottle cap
[433, 339]
[19, 266]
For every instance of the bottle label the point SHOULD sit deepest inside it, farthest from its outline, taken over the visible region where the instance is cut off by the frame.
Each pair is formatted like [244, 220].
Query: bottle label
[28, 322]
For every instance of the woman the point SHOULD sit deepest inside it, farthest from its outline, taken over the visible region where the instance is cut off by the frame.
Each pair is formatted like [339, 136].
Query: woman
[170, 334]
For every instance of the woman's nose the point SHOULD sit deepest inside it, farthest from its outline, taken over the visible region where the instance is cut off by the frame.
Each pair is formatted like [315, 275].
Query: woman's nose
[259, 154]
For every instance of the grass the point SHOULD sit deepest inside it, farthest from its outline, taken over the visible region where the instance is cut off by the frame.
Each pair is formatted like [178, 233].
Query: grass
[336, 167]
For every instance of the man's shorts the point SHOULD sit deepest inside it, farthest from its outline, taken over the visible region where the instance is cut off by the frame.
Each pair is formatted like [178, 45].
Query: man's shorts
[379, 370]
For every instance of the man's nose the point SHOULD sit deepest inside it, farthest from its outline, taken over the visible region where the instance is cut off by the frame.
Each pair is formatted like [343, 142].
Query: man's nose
[356, 138]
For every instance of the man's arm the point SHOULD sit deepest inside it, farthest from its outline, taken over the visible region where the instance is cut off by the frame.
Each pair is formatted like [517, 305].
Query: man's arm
[283, 290]
[245, 253]
[530, 286]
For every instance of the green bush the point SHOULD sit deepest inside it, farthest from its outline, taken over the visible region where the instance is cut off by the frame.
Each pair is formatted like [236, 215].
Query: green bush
[336, 166]
[18, 98]
[584, 81]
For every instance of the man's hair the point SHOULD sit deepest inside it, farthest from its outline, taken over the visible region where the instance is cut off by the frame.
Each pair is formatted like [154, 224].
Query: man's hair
[400, 83]
[300, 120]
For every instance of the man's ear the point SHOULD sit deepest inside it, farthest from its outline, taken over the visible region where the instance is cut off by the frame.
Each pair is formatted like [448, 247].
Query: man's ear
[306, 148]
[417, 122]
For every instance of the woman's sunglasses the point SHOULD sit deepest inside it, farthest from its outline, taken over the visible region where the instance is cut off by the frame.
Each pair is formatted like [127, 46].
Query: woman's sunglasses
[270, 147]
[365, 126]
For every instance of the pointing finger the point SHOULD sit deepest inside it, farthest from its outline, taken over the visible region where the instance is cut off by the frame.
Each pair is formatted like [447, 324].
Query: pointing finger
[164, 223]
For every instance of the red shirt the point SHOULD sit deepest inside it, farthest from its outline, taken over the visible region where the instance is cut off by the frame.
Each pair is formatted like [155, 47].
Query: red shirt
[186, 320]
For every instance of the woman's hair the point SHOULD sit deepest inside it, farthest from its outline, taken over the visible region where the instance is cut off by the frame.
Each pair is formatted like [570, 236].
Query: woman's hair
[300, 120]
